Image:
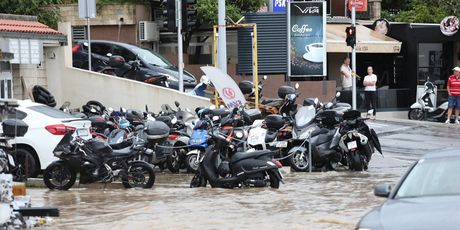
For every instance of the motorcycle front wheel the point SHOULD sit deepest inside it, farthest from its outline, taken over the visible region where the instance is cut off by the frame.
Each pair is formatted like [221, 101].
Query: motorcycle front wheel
[416, 114]
[192, 163]
[139, 175]
[59, 176]
[198, 181]
[299, 161]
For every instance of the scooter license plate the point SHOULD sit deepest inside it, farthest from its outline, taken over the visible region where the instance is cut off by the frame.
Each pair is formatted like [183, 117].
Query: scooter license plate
[11, 160]
[82, 132]
[352, 145]
[281, 144]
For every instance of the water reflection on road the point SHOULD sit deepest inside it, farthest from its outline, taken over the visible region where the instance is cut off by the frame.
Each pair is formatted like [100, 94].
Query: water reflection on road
[327, 200]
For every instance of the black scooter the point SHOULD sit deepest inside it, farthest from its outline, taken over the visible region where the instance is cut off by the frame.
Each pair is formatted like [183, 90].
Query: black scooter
[243, 169]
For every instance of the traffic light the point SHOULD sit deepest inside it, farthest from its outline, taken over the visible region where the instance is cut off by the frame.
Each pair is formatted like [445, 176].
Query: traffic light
[188, 14]
[351, 36]
[169, 13]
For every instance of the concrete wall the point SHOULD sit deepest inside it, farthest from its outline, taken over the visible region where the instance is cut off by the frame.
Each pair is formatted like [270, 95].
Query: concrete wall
[79, 86]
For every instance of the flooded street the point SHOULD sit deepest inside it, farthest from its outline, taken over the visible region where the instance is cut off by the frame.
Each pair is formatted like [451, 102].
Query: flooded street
[327, 200]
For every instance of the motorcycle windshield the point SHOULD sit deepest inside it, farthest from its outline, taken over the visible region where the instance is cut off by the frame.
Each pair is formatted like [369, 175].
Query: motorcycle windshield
[304, 115]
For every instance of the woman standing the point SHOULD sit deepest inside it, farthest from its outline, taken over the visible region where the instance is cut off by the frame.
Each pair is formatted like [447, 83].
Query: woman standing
[370, 90]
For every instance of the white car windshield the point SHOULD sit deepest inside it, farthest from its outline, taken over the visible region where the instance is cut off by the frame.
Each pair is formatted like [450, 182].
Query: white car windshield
[151, 58]
[432, 177]
[304, 115]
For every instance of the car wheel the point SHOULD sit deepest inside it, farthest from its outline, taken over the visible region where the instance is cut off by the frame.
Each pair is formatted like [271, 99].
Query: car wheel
[26, 162]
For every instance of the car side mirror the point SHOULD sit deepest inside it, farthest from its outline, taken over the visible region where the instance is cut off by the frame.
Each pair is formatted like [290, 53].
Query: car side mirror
[382, 190]
[177, 104]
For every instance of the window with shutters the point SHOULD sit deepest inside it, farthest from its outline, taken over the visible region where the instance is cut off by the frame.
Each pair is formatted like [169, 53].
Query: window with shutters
[78, 33]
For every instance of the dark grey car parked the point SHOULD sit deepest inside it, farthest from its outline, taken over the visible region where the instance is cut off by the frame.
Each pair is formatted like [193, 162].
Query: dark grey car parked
[427, 197]
[150, 63]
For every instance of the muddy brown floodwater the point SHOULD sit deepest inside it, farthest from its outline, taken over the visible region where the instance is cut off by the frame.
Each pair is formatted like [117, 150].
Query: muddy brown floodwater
[323, 200]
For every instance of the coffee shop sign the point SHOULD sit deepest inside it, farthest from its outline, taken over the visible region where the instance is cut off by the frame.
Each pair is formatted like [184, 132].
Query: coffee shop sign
[301, 29]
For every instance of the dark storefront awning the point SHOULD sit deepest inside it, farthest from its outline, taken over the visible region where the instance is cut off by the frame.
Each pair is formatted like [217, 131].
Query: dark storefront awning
[368, 41]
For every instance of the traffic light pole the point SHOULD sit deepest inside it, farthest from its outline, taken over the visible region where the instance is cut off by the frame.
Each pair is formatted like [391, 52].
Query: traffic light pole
[353, 57]
[180, 61]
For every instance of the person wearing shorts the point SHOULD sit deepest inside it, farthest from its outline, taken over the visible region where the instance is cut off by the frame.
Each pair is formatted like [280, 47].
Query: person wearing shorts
[453, 88]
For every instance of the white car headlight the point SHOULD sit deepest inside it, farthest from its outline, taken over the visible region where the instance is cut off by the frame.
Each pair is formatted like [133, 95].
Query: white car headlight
[171, 78]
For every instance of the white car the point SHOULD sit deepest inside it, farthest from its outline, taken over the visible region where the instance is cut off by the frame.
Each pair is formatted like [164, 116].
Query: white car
[47, 127]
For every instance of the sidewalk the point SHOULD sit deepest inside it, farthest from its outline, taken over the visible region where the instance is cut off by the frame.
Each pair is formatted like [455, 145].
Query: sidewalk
[401, 117]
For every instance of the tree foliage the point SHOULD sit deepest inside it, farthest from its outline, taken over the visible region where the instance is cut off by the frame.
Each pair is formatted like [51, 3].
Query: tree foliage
[420, 11]
[206, 10]
[45, 10]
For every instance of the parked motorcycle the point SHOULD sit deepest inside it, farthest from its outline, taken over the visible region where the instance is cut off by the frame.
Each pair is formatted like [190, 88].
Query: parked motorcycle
[11, 128]
[358, 141]
[321, 128]
[96, 161]
[243, 169]
[425, 107]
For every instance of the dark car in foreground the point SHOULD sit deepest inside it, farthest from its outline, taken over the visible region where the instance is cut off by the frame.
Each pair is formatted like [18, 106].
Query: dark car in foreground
[150, 63]
[427, 197]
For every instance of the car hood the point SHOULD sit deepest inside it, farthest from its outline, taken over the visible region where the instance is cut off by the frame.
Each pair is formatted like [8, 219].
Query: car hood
[174, 71]
[436, 212]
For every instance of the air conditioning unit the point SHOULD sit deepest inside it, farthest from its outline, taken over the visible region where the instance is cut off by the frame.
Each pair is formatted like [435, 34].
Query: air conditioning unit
[149, 31]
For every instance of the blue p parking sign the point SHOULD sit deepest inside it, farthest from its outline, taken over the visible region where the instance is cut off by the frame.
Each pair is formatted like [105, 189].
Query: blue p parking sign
[279, 5]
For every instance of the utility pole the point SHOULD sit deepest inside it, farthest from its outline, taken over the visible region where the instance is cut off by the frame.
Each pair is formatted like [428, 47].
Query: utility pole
[222, 41]
[353, 57]
[89, 35]
[180, 55]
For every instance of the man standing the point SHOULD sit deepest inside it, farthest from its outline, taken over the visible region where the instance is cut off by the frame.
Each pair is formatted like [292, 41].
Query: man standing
[453, 88]
[345, 73]
[370, 90]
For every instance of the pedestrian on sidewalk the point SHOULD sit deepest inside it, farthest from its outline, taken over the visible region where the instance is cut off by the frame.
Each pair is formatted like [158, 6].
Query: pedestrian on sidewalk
[345, 73]
[453, 88]
[370, 90]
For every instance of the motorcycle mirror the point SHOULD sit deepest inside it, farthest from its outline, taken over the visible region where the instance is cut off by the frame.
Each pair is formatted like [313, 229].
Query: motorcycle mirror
[109, 54]
[177, 104]
[123, 110]
[337, 94]
[297, 85]
[316, 101]
[265, 77]
[213, 107]
[146, 108]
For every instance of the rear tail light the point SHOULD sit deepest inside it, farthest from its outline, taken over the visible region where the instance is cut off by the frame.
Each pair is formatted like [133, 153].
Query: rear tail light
[172, 137]
[59, 129]
[278, 163]
[75, 48]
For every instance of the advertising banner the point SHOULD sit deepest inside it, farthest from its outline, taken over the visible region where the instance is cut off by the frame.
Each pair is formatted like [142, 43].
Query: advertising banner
[307, 39]
[226, 87]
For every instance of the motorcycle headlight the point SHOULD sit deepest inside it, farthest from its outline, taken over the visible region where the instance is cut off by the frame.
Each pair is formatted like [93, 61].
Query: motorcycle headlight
[239, 135]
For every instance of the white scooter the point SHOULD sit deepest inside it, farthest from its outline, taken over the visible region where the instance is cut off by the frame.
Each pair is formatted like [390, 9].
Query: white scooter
[425, 107]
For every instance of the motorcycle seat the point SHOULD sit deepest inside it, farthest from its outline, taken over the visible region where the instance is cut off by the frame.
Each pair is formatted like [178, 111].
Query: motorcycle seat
[247, 155]
[122, 152]
[271, 101]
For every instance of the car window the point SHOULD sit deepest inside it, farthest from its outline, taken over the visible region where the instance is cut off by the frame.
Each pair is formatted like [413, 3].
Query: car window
[125, 53]
[101, 49]
[151, 57]
[51, 112]
[432, 177]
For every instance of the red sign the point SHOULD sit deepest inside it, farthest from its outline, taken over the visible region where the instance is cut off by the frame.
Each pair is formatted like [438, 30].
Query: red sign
[360, 5]
[228, 93]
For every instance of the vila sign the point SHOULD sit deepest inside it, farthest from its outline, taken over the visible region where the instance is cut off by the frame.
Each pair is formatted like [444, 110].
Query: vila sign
[360, 5]
[307, 39]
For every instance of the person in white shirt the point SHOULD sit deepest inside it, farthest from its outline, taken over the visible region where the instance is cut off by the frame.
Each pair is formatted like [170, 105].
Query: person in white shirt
[370, 90]
[346, 74]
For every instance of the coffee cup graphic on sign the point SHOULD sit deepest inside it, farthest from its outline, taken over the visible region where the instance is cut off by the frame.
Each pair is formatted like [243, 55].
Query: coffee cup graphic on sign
[314, 52]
